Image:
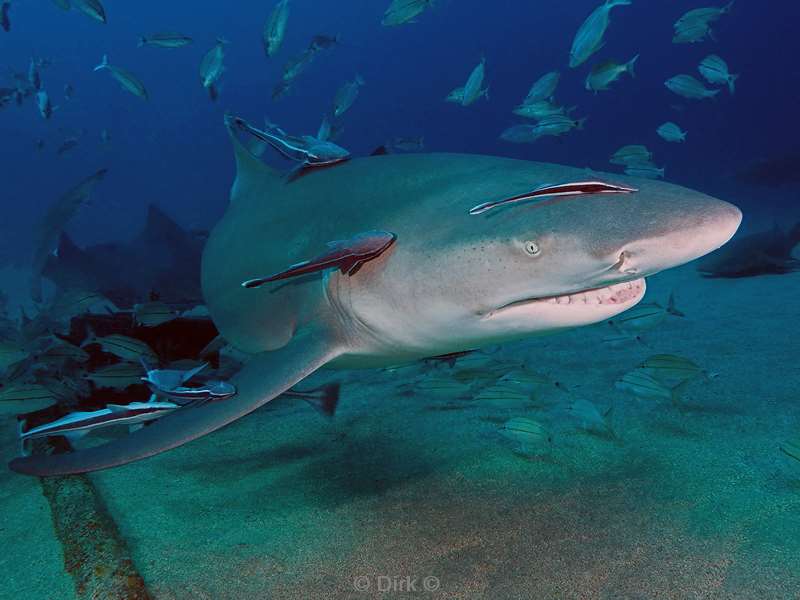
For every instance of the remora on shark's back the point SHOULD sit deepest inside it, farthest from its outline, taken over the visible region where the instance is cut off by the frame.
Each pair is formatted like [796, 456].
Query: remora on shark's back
[436, 290]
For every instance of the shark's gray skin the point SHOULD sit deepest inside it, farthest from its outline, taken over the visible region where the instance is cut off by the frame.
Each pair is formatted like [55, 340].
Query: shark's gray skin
[763, 253]
[451, 282]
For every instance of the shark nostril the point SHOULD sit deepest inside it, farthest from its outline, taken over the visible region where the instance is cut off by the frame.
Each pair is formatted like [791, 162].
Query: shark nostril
[623, 265]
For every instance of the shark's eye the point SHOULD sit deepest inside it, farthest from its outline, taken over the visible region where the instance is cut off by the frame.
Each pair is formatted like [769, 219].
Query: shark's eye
[532, 248]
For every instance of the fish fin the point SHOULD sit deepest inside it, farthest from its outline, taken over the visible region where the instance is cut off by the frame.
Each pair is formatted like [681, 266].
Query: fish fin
[266, 376]
[91, 337]
[191, 373]
[295, 172]
[103, 63]
[671, 306]
[324, 399]
[629, 66]
[253, 177]
[732, 83]
[142, 41]
[676, 393]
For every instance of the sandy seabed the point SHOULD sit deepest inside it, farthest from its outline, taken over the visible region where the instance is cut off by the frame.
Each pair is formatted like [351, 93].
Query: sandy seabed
[404, 495]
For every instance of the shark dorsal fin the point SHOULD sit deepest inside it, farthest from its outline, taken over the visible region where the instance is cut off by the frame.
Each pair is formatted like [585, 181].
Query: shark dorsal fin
[252, 175]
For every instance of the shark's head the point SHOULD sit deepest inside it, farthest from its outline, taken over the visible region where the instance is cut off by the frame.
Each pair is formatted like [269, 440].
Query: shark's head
[538, 267]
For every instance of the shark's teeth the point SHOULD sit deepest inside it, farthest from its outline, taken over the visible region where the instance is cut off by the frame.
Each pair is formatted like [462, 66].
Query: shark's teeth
[619, 293]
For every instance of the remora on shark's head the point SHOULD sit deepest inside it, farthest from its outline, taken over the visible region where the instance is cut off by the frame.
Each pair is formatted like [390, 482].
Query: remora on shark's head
[450, 282]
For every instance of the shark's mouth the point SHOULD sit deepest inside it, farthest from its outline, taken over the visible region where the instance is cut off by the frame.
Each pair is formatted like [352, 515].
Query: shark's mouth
[617, 294]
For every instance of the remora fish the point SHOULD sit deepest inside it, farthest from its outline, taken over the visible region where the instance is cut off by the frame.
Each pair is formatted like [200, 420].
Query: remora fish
[438, 291]
[306, 150]
[128, 81]
[589, 38]
[165, 40]
[275, 28]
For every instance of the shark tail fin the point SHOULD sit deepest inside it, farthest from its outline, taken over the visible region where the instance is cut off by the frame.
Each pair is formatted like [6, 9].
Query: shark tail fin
[103, 63]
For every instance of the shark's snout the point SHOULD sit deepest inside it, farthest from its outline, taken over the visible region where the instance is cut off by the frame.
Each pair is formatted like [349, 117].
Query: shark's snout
[690, 235]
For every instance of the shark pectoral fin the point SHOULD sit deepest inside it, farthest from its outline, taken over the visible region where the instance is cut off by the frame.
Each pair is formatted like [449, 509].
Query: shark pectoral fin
[264, 377]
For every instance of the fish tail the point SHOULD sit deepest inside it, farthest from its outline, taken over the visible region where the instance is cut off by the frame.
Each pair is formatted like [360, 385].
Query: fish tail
[142, 41]
[732, 83]
[91, 337]
[727, 8]
[103, 63]
[359, 80]
[676, 393]
[671, 309]
[629, 66]
[580, 123]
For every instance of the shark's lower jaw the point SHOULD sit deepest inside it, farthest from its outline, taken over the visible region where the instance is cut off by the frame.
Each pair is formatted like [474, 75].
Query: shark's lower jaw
[592, 303]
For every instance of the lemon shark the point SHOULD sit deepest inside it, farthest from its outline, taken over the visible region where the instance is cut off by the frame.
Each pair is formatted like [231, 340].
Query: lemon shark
[457, 276]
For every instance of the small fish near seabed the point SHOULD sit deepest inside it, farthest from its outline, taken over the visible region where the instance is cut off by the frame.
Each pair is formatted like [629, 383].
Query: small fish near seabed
[670, 369]
[92, 9]
[606, 73]
[212, 67]
[401, 12]
[153, 314]
[127, 80]
[530, 436]
[168, 40]
[275, 28]
[645, 386]
[591, 419]
[346, 96]
[689, 87]
[715, 71]
[632, 154]
[771, 252]
[671, 132]
[589, 37]
[306, 150]
[645, 316]
[645, 171]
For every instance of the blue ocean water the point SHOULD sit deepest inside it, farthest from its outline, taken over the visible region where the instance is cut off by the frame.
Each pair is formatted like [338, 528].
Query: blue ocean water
[433, 476]
[172, 149]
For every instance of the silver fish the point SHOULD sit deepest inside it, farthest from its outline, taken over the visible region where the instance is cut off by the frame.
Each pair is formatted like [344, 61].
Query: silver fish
[346, 96]
[92, 9]
[703, 15]
[457, 95]
[715, 70]
[128, 81]
[474, 85]
[275, 28]
[212, 67]
[589, 38]
[401, 12]
[165, 40]
[543, 88]
[606, 73]
[689, 87]
[43, 104]
[538, 110]
[631, 154]
[671, 132]
[645, 171]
